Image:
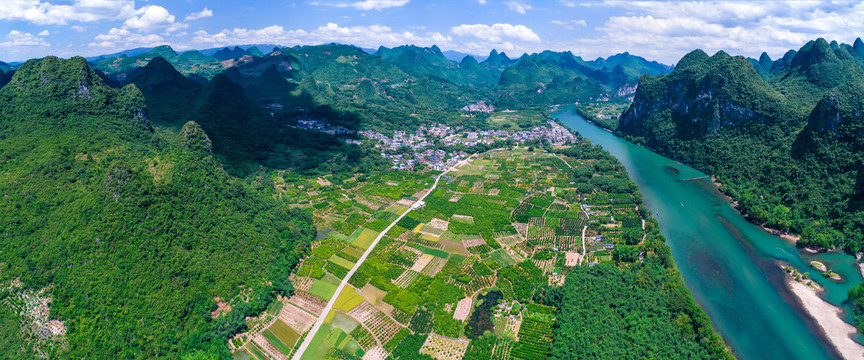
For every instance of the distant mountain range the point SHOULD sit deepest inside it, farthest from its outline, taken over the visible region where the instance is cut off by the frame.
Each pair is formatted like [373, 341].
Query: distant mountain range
[391, 81]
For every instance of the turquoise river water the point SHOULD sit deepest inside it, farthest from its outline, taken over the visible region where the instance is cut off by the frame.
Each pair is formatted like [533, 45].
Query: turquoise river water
[729, 265]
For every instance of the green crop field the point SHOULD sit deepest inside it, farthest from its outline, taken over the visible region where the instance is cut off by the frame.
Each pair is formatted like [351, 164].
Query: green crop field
[284, 333]
[323, 289]
[276, 342]
[362, 238]
[434, 252]
[341, 262]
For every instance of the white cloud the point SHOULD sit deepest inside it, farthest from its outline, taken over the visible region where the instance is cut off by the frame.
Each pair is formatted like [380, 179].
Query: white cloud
[43, 13]
[519, 7]
[666, 30]
[121, 37]
[20, 38]
[272, 34]
[44, 33]
[78, 28]
[366, 4]
[496, 32]
[199, 15]
[481, 2]
[372, 35]
[378, 4]
[149, 18]
[569, 24]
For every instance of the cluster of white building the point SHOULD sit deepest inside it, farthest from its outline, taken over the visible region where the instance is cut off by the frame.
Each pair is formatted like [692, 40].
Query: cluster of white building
[435, 159]
[445, 135]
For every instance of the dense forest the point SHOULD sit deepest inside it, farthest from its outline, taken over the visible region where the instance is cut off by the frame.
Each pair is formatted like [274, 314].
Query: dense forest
[131, 235]
[783, 137]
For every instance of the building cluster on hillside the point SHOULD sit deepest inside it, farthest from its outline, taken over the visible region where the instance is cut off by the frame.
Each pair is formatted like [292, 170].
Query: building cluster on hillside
[313, 124]
[445, 135]
[479, 106]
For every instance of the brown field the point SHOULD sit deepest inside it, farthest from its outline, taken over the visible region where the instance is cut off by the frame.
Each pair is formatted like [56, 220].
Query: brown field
[372, 294]
[463, 309]
[296, 318]
[572, 259]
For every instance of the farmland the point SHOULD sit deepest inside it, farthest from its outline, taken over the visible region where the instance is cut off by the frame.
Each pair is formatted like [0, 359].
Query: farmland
[456, 277]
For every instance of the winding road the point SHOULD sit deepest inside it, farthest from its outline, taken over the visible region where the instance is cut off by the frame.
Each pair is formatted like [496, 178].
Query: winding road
[311, 334]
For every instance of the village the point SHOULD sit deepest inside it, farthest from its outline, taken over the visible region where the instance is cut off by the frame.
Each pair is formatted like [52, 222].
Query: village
[439, 135]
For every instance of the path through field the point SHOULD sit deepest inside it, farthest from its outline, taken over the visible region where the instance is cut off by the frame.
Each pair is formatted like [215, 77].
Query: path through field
[308, 340]
[584, 251]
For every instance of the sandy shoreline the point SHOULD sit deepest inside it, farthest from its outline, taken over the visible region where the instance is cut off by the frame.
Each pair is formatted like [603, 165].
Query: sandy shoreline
[861, 268]
[828, 317]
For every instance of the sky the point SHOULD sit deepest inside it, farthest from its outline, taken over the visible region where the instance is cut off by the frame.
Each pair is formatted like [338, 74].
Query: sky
[658, 30]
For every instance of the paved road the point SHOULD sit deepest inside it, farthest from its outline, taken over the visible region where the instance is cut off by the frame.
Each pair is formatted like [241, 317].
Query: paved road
[309, 336]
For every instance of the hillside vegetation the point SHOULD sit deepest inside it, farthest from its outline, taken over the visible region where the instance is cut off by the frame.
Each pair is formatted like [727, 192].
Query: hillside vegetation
[131, 236]
[782, 136]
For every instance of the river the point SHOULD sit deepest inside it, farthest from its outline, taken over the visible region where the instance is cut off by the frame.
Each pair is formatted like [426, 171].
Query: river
[729, 264]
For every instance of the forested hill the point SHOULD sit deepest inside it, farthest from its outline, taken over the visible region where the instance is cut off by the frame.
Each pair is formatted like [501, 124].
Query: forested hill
[128, 235]
[783, 136]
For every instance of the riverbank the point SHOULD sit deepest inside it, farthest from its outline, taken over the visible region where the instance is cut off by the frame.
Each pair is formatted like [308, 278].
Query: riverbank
[728, 263]
[776, 232]
[829, 319]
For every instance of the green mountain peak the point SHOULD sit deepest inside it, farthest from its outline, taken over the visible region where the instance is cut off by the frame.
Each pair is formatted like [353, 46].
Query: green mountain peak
[694, 57]
[193, 138]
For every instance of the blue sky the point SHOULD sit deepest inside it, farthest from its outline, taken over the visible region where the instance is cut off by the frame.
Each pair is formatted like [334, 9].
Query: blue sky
[658, 30]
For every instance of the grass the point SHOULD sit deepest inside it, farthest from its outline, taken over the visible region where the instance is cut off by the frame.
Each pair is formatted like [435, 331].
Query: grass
[396, 209]
[338, 236]
[278, 344]
[348, 299]
[284, 333]
[353, 252]
[434, 252]
[256, 351]
[432, 230]
[362, 238]
[501, 327]
[275, 307]
[242, 355]
[332, 279]
[344, 322]
[341, 262]
[337, 337]
[428, 237]
[458, 257]
[318, 348]
[503, 258]
[322, 289]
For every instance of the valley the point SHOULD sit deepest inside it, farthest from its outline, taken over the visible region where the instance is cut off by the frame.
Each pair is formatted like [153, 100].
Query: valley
[505, 224]
[328, 201]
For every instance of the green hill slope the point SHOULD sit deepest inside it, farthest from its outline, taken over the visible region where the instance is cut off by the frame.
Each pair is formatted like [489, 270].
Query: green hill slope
[790, 159]
[131, 236]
